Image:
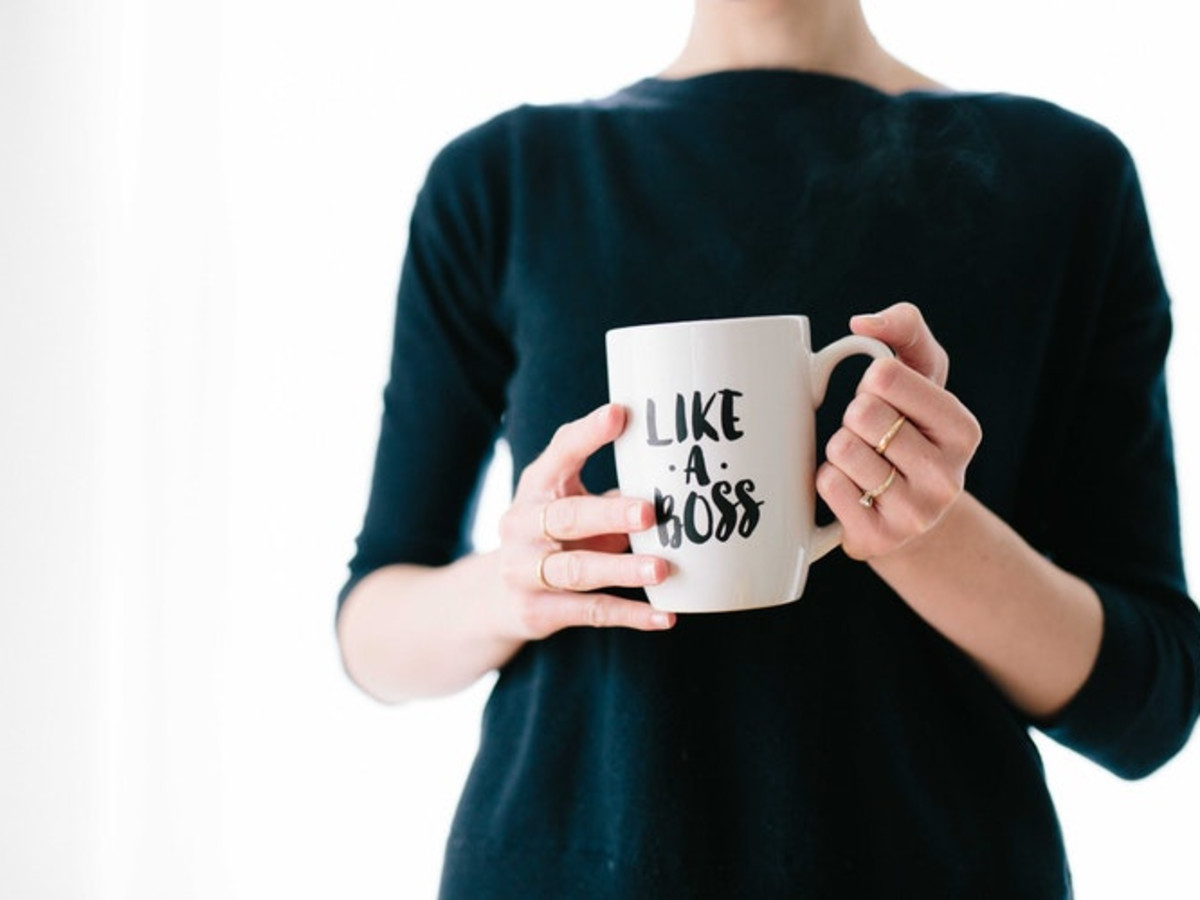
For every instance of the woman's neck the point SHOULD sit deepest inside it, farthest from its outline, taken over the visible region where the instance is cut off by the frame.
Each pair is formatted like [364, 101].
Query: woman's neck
[829, 36]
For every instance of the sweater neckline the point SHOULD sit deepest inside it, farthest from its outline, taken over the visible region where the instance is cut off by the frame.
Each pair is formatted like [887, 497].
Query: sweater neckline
[766, 85]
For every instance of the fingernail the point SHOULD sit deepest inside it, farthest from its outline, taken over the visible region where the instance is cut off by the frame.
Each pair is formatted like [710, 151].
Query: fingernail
[633, 515]
[661, 620]
[874, 319]
[649, 570]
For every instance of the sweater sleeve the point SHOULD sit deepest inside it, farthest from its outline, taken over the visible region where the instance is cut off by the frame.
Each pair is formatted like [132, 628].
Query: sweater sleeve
[450, 364]
[1114, 517]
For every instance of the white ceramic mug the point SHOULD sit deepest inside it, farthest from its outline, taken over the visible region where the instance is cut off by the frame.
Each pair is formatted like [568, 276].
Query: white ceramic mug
[721, 438]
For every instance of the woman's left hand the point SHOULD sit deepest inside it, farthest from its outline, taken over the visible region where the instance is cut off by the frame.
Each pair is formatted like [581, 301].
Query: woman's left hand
[890, 485]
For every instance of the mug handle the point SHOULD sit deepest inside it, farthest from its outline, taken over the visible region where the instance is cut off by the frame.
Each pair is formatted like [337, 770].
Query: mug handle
[826, 537]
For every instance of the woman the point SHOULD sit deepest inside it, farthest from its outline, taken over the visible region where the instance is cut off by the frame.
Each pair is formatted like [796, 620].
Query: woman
[871, 739]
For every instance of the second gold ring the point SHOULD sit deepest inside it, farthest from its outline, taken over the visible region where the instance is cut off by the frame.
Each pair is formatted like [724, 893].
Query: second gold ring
[545, 529]
[868, 498]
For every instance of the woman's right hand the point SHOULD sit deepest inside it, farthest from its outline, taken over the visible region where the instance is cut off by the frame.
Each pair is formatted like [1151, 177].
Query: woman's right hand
[560, 545]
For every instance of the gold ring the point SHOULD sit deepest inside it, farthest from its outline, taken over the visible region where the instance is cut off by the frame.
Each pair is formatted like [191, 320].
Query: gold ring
[888, 435]
[541, 571]
[546, 531]
[869, 497]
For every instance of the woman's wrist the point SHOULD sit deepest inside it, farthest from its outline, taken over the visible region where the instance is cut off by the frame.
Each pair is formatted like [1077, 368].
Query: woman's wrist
[928, 546]
[415, 631]
[1033, 627]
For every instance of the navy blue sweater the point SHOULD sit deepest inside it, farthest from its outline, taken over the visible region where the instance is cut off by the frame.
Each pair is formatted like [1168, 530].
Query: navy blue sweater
[839, 746]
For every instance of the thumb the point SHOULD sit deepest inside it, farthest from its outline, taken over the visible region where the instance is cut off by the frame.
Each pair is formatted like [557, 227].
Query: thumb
[903, 328]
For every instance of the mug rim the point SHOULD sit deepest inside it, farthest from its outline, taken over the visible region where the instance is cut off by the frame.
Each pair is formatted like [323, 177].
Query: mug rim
[723, 321]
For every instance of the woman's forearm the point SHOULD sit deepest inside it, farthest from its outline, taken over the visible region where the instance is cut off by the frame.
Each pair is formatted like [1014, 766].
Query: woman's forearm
[413, 631]
[1033, 628]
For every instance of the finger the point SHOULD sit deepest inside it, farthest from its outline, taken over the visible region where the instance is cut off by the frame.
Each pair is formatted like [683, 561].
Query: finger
[870, 417]
[603, 543]
[859, 461]
[548, 613]
[918, 459]
[584, 570]
[861, 526]
[571, 446]
[903, 328]
[932, 410]
[873, 420]
[580, 517]
[902, 511]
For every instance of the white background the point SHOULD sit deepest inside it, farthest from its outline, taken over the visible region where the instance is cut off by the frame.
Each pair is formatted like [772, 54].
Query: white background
[202, 211]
